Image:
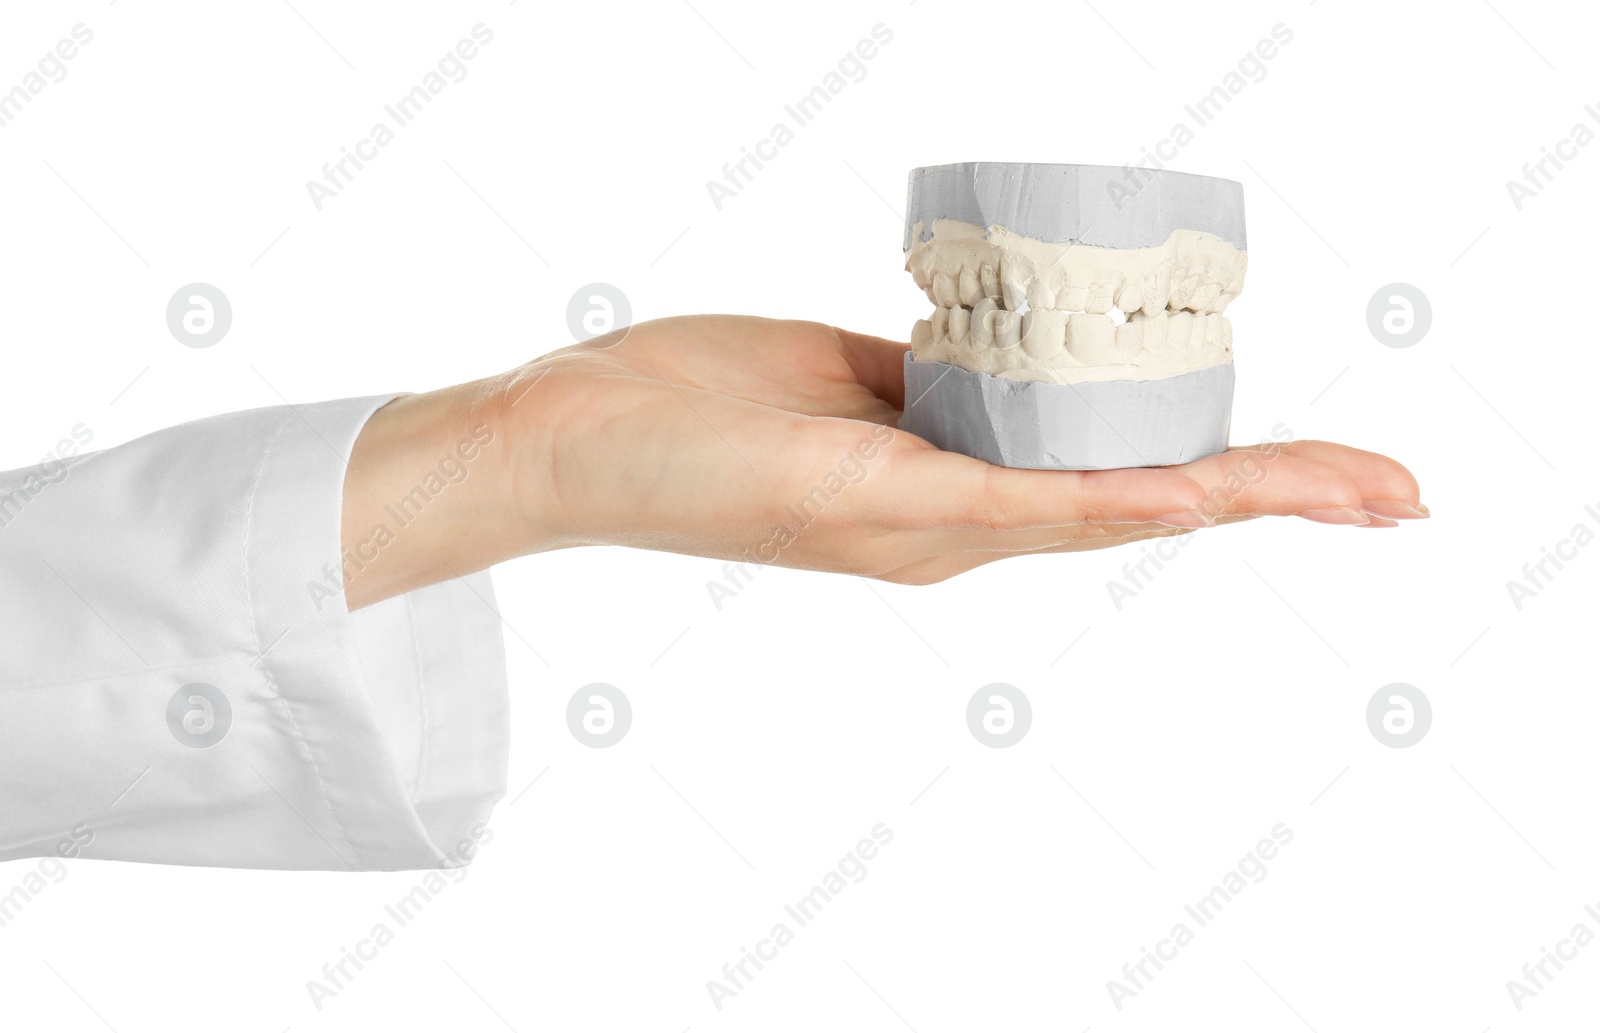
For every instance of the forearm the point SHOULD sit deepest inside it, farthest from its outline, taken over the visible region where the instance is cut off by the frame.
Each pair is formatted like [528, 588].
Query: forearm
[427, 496]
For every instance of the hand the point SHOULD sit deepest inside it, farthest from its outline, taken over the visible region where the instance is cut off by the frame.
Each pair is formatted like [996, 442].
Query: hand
[771, 441]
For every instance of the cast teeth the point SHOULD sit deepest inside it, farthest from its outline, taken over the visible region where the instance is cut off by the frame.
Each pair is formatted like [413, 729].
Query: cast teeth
[1014, 280]
[1007, 328]
[989, 280]
[1090, 338]
[982, 325]
[1100, 297]
[1027, 309]
[1204, 298]
[1044, 333]
[969, 287]
[1180, 330]
[1157, 285]
[1183, 287]
[1045, 343]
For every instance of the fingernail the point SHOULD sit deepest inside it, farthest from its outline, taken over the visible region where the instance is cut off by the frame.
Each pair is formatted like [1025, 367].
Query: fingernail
[1379, 521]
[1394, 509]
[1336, 515]
[1191, 518]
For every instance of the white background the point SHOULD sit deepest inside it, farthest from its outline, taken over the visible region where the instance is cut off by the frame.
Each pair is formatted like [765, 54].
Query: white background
[1228, 696]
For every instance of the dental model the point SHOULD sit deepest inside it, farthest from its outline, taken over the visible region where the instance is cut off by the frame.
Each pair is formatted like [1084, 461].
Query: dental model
[1079, 313]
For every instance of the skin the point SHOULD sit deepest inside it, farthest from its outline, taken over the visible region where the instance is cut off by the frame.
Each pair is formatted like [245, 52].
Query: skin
[704, 435]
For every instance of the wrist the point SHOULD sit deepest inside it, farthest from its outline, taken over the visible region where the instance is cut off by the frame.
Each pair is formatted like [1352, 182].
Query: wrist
[426, 495]
[545, 408]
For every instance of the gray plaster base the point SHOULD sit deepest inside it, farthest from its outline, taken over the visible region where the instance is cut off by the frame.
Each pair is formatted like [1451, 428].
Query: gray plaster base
[1098, 205]
[1035, 425]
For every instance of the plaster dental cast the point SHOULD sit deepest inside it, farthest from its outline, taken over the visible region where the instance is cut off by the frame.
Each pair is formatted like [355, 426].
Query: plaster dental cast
[177, 676]
[1078, 325]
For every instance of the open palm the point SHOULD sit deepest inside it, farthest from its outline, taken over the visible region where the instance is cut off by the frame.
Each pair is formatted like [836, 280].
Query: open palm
[772, 441]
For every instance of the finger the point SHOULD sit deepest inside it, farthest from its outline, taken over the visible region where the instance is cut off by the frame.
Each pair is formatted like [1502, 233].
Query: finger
[1388, 489]
[952, 542]
[1277, 482]
[940, 568]
[1069, 538]
[931, 488]
[896, 550]
[878, 364]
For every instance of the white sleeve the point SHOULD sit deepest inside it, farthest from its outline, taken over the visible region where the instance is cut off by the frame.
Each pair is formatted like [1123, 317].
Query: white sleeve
[181, 683]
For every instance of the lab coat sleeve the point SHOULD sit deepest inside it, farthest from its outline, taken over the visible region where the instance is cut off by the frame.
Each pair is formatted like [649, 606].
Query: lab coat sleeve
[180, 679]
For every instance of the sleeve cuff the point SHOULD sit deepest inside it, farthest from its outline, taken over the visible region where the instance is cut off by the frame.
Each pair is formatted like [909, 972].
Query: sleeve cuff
[400, 709]
[204, 559]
